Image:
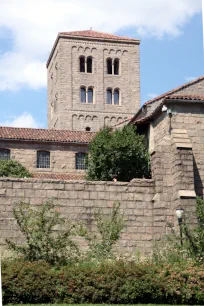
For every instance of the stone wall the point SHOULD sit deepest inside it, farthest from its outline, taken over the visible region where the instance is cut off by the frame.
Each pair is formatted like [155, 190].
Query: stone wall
[76, 200]
[65, 110]
[62, 156]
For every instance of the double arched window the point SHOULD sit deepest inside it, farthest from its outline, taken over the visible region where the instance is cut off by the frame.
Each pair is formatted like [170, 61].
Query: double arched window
[5, 154]
[43, 159]
[87, 94]
[113, 66]
[86, 64]
[113, 96]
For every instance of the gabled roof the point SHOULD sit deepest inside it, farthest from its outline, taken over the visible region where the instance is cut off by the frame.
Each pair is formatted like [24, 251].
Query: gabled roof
[44, 135]
[152, 106]
[175, 90]
[100, 35]
[92, 35]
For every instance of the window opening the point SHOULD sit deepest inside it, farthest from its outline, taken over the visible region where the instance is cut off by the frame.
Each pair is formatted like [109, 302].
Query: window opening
[109, 96]
[43, 159]
[4, 154]
[82, 64]
[81, 161]
[83, 95]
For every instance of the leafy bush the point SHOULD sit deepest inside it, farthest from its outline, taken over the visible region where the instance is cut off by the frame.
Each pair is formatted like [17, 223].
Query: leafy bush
[27, 282]
[11, 168]
[112, 283]
[43, 241]
[108, 233]
[121, 153]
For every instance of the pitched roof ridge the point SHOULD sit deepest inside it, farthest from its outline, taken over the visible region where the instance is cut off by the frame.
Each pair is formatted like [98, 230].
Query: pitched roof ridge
[174, 90]
[44, 130]
[110, 35]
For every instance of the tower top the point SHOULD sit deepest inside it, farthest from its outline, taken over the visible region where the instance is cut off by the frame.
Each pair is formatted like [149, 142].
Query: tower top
[94, 36]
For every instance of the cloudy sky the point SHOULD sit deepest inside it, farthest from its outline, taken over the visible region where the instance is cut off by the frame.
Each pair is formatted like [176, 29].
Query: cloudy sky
[171, 48]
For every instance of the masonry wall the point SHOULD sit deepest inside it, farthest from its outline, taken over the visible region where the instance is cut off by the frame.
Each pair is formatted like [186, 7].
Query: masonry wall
[191, 118]
[76, 201]
[65, 111]
[62, 156]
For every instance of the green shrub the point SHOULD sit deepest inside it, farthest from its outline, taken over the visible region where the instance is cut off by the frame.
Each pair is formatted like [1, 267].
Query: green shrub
[108, 232]
[112, 283]
[47, 235]
[27, 282]
[121, 153]
[11, 168]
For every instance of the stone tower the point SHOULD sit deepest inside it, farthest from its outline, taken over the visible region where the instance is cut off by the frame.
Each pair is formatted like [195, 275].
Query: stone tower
[93, 80]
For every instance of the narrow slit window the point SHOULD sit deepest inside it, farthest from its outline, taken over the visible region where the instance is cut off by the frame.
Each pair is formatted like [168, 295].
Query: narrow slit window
[83, 95]
[109, 66]
[81, 161]
[43, 159]
[5, 154]
[89, 64]
[109, 96]
[90, 95]
[116, 66]
[82, 64]
[116, 97]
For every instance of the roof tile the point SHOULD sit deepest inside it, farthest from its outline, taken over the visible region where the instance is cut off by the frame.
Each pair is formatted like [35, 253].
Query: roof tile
[11, 133]
[95, 34]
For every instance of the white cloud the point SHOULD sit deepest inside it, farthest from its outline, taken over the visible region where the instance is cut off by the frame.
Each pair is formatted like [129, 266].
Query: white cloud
[24, 120]
[34, 25]
[152, 95]
[189, 78]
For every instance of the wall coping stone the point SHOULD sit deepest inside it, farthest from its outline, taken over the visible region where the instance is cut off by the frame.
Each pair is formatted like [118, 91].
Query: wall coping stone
[134, 182]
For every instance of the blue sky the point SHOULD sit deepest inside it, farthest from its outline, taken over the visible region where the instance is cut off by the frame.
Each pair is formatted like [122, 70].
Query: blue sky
[171, 47]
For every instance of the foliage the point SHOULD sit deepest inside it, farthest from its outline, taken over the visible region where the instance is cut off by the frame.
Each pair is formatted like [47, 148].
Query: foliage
[108, 233]
[117, 282]
[195, 237]
[11, 168]
[48, 236]
[121, 153]
[27, 282]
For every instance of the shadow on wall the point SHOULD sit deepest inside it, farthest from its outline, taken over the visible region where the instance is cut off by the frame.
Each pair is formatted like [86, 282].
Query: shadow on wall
[197, 180]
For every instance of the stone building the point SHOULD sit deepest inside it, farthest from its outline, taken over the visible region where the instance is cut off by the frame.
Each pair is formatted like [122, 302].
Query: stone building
[93, 80]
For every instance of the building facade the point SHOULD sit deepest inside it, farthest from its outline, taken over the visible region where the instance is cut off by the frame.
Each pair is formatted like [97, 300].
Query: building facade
[93, 80]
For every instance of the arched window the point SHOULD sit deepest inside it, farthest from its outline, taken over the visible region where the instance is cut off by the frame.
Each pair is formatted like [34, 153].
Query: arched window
[116, 66]
[83, 94]
[81, 161]
[43, 159]
[5, 154]
[82, 64]
[89, 64]
[109, 96]
[90, 95]
[109, 66]
[88, 129]
[116, 96]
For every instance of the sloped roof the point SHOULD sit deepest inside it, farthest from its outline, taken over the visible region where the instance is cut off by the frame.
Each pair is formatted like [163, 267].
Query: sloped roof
[60, 176]
[153, 105]
[95, 34]
[175, 90]
[178, 97]
[11, 133]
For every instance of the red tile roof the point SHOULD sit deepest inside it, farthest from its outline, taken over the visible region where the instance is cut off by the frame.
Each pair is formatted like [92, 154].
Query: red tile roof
[100, 35]
[175, 90]
[185, 97]
[10, 133]
[59, 176]
[94, 35]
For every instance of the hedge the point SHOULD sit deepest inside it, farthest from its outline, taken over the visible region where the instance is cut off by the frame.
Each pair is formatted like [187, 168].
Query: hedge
[111, 283]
